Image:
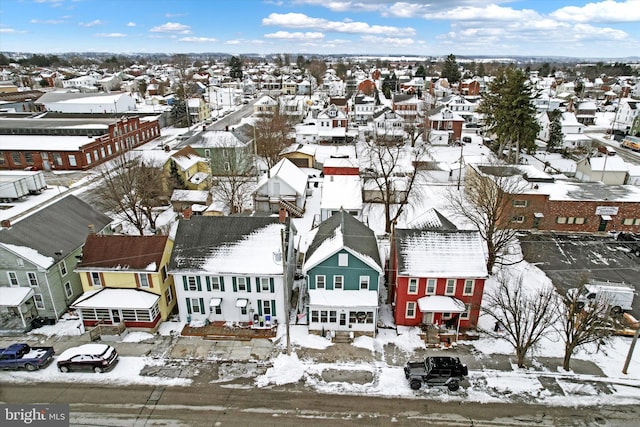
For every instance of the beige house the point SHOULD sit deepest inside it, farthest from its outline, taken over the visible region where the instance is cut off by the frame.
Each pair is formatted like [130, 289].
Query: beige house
[611, 170]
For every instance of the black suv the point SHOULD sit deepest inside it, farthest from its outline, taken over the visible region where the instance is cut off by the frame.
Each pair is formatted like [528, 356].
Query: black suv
[631, 240]
[436, 371]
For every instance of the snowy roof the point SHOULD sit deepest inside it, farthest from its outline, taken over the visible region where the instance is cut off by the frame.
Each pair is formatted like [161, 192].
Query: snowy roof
[343, 231]
[341, 191]
[341, 162]
[45, 142]
[289, 173]
[440, 304]
[13, 297]
[187, 157]
[300, 148]
[117, 298]
[121, 253]
[608, 163]
[440, 253]
[337, 298]
[190, 196]
[578, 191]
[227, 245]
[432, 219]
[53, 232]
[220, 139]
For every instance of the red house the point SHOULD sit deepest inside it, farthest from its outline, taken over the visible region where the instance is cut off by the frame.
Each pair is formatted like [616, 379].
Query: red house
[437, 275]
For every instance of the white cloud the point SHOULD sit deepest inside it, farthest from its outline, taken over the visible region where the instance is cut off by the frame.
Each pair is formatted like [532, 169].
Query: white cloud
[389, 41]
[604, 11]
[198, 40]
[296, 35]
[11, 31]
[48, 21]
[490, 12]
[172, 27]
[345, 6]
[111, 35]
[300, 20]
[91, 24]
[131, 24]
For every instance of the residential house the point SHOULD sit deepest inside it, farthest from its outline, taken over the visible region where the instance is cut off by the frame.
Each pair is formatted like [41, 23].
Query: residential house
[343, 270]
[628, 110]
[125, 280]
[611, 170]
[195, 200]
[301, 155]
[363, 108]
[341, 165]
[198, 109]
[469, 87]
[442, 118]
[332, 125]
[38, 255]
[230, 269]
[388, 125]
[228, 152]
[437, 276]
[586, 113]
[461, 106]
[265, 105]
[284, 187]
[407, 106]
[190, 170]
[341, 192]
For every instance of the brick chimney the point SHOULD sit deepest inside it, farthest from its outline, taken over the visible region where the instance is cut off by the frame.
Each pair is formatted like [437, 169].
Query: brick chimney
[92, 229]
[186, 213]
[5, 223]
[282, 214]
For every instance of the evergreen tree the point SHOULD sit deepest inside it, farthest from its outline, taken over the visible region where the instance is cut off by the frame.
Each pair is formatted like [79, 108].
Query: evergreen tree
[480, 70]
[509, 112]
[555, 131]
[235, 64]
[450, 69]
[179, 113]
[420, 71]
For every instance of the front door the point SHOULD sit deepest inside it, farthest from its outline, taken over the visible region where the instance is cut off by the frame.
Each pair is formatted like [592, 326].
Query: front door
[603, 224]
[115, 315]
[343, 319]
[427, 318]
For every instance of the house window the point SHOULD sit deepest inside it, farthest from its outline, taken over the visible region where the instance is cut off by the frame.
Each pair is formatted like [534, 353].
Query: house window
[446, 315]
[195, 305]
[96, 281]
[68, 290]
[431, 286]
[192, 284]
[333, 316]
[265, 284]
[413, 286]
[323, 316]
[207, 153]
[13, 278]
[63, 268]
[20, 262]
[217, 309]
[410, 312]
[168, 295]
[561, 220]
[319, 282]
[143, 280]
[39, 301]
[215, 283]
[227, 166]
[72, 160]
[520, 203]
[465, 314]
[468, 287]
[57, 158]
[364, 282]
[32, 278]
[451, 287]
[337, 282]
[242, 284]
[519, 219]
[266, 307]
[88, 157]
[343, 260]
[314, 316]
[17, 160]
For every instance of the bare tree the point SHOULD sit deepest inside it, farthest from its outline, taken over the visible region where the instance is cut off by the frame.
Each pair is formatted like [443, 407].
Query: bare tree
[582, 324]
[152, 191]
[390, 166]
[271, 134]
[234, 186]
[129, 188]
[487, 202]
[526, 316]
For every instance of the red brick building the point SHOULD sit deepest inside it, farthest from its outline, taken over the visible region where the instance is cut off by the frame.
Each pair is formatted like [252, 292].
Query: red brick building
[71, 143]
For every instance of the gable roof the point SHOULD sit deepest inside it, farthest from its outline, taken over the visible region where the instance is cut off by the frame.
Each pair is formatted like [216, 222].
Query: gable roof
[187, 157]
[440, 253]
[343, 231]
[432, 219]
[122, 252]
[289, 173]
[232, 244]
[53, 232]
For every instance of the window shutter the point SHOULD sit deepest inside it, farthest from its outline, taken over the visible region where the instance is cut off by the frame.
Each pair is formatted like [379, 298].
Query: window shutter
[259, 307]
[271, 284]
[208, 283]
[198, 284]
[184, 282]
[247, 280]
[189, 305]
[273, 308]
[135, 276]
[150, 280]
[202, 305]
[222, 283]
[258, 286]
[235, 286]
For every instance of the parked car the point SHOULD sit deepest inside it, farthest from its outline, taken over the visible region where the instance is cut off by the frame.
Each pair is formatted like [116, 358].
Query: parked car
[631, 240]
[466, 139]
[436, 371]
[21, 355]
[88, 357]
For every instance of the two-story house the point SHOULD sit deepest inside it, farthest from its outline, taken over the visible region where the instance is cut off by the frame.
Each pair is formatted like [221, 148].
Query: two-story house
[442, 118]
[231, 269]
[188, 169]
[284, 186]
[332, 124]
[38, 255]
[125, 280]
[343, 272]
[388, 125]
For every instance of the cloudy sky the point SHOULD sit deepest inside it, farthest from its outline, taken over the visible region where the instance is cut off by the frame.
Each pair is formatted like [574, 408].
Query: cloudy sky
[608, 28]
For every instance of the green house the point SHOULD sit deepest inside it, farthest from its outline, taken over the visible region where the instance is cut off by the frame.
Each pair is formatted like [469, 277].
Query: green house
[344, 272]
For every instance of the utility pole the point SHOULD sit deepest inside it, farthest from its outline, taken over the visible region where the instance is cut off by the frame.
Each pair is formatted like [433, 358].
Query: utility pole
[285, 280]
[461, 162]
[631, 347]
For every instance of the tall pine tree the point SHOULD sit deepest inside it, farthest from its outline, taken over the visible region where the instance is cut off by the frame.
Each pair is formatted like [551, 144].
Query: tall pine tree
[450, 69]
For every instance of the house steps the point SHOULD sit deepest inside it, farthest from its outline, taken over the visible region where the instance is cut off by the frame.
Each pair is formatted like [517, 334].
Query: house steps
[292, 209]
[342, 337]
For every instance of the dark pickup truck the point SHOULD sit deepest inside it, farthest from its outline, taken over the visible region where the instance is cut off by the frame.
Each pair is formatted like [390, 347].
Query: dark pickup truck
[436, 371]
[21, 355]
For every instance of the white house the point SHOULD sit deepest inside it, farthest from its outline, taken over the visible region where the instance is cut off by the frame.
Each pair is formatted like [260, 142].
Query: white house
[286, 186]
